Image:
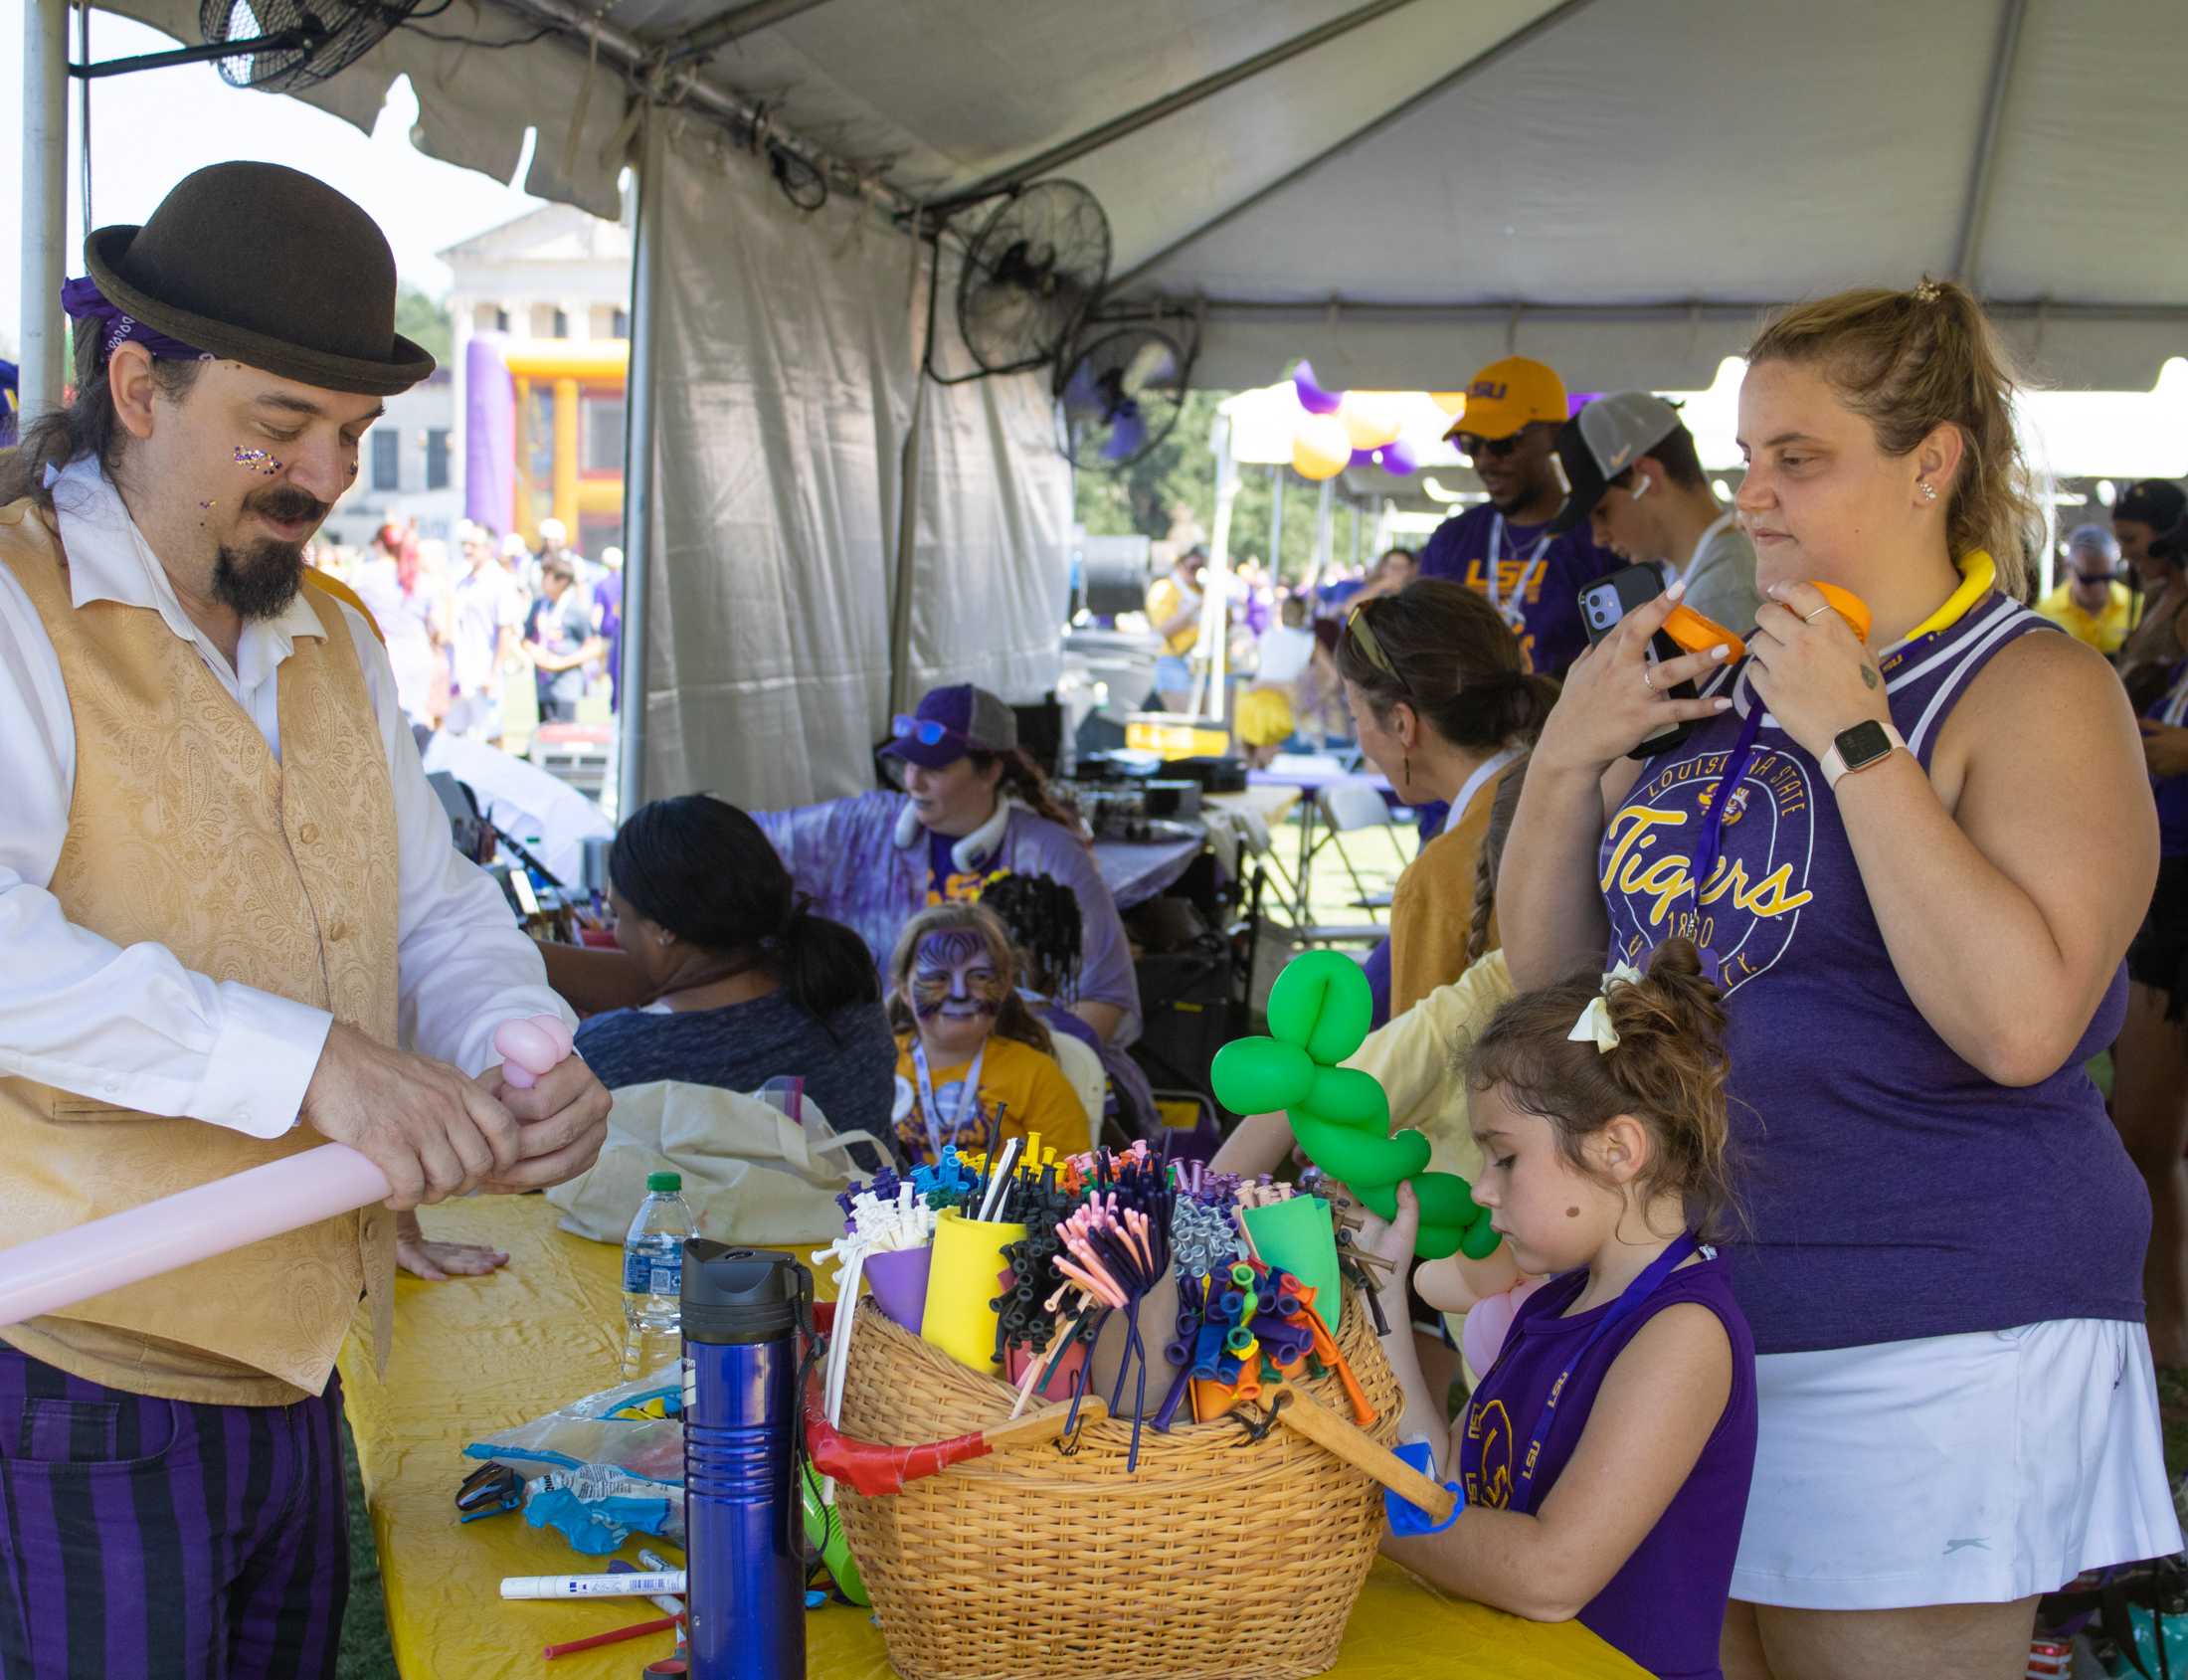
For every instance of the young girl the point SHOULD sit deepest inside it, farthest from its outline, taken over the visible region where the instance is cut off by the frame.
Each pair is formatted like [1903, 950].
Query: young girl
[968, 1047]
[1606, 1455]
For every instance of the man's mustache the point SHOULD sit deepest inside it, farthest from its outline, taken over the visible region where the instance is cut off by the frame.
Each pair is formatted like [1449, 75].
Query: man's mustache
[288, 505]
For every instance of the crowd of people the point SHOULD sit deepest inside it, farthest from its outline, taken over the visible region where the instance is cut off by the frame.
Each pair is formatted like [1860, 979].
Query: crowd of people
[1805, 793]
[472, 622]
[1753, 976]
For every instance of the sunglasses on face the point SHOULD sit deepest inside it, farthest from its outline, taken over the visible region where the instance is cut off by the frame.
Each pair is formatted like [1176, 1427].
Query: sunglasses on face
[2093, 577]
[924, 730]
[1497, 449]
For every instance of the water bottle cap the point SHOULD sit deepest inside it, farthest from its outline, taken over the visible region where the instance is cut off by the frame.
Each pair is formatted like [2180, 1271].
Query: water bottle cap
[741, 1295]
[665, 1183]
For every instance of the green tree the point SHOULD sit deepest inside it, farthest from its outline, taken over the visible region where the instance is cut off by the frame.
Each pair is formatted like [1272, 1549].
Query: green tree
[425, 321]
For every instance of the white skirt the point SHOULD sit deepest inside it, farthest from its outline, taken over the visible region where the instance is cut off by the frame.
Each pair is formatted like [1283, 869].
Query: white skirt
[1954, 1469]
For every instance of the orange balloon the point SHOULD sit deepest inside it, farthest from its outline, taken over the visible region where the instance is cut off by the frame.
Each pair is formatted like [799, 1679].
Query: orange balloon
[1371, 419]
[1320, 447]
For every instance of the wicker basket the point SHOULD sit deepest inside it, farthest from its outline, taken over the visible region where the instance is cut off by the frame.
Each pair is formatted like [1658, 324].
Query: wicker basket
[1215, 1559]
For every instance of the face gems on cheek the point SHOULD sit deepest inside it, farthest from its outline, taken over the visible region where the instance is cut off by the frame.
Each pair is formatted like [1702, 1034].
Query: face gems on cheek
[208, 506]
[260, 460]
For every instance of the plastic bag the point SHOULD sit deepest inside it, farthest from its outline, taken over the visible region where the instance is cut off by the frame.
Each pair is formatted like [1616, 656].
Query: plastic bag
[604, 1467]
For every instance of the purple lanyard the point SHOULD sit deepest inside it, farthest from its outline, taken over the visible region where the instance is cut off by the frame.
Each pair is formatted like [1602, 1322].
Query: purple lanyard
[1629, 1303]
[1711, 845]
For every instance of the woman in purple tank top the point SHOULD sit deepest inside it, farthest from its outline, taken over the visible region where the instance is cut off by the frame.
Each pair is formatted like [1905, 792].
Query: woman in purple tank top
[1957, 1405]
[1605, 1455]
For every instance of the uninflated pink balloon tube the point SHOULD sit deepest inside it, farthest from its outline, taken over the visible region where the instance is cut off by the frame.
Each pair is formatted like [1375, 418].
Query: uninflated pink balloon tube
[51, 1272]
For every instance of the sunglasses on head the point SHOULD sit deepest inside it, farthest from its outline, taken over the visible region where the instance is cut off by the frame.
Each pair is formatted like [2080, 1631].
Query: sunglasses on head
[1362, 632]
[925, 730]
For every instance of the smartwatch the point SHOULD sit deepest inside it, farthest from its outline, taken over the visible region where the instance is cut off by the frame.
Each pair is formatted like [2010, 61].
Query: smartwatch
[1858, 748]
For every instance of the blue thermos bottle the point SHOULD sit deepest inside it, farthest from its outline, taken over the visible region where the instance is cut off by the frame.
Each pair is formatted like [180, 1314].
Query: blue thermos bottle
[745, 1312]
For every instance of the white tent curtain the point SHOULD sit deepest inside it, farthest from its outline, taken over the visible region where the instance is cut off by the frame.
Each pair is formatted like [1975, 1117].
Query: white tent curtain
[785, 381]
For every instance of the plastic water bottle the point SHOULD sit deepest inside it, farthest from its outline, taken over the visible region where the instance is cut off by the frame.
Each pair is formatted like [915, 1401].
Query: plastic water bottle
[652, 1278]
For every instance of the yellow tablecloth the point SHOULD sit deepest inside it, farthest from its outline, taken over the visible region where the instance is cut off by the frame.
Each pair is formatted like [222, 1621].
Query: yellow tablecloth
[475, 1356]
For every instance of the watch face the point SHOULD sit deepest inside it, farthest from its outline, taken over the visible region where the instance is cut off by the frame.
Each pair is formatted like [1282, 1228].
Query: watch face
[1864, 743]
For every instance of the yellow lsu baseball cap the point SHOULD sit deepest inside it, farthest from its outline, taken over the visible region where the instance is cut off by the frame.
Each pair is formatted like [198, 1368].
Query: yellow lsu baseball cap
[1507, 395]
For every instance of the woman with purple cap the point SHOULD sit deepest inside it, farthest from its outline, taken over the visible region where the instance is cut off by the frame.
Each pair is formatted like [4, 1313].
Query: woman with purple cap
[972, 803]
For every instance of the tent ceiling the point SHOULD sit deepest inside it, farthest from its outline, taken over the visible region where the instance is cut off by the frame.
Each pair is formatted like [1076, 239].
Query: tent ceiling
[1619, 185]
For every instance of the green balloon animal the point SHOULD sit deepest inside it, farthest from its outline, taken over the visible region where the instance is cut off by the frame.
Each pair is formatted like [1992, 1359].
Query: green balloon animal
[1319, 1014]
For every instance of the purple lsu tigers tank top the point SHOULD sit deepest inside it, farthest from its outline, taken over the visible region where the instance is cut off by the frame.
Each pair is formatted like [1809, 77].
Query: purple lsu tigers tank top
[1892, 1189]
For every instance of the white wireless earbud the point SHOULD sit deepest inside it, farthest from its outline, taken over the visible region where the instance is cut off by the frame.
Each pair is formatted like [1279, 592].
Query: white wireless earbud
[1641, 487]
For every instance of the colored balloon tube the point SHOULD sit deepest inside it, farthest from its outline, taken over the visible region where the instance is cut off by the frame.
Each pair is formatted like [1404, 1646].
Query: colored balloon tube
[66, 1267]
[959, 1317]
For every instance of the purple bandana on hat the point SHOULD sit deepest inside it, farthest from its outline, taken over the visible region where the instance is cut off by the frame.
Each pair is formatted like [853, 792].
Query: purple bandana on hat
[84, 301]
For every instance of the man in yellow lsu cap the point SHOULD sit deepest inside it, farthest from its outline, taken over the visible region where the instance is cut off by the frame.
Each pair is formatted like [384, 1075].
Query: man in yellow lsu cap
[1504, 548]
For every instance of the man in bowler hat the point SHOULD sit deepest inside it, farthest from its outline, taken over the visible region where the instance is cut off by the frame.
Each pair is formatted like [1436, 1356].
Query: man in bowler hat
[234, 930]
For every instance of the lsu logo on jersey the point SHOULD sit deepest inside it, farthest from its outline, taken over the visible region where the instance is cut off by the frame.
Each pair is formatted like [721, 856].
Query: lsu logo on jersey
[1489, 1436]
[1748, 910]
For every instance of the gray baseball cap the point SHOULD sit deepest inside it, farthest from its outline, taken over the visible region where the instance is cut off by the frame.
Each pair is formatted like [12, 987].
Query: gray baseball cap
[1602, 442]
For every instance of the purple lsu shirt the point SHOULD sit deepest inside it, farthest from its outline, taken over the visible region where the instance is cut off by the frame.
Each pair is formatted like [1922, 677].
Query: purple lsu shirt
[1666, 1604]
[1545, 587]
[1892, 1189]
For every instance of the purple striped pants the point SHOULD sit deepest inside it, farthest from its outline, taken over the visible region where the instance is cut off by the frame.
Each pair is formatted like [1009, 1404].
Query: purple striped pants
[150, 1538]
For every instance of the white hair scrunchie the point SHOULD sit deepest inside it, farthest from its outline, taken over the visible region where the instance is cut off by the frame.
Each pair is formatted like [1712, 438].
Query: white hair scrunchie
[1594, 1026]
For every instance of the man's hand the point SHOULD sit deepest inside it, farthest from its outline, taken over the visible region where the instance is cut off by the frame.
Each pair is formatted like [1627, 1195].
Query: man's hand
[563, 1121]
[431, 1130]
[437, 1262]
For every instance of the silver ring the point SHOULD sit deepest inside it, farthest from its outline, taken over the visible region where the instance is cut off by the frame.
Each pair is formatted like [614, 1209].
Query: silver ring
[1817, 613]
[1648, 678]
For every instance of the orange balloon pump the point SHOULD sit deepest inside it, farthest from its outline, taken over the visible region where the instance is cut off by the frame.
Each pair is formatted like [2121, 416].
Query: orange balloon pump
[1695, 633]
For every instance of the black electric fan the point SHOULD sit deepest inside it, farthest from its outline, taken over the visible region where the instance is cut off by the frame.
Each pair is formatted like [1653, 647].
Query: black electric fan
[276, 46]
[1031, 273]
[1119, 397]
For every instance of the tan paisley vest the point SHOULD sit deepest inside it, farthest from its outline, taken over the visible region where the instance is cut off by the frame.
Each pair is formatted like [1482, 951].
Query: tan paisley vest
[184, 830]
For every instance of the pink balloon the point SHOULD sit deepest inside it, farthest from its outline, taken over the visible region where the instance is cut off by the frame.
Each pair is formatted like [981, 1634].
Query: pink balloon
[1312, 397]
[531, 1048]
[49, 1274]
[1488, 1322]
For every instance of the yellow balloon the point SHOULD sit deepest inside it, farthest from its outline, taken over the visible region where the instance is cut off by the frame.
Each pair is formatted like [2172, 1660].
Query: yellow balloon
[1371, 419]
[1452, 403]
[1320, 447]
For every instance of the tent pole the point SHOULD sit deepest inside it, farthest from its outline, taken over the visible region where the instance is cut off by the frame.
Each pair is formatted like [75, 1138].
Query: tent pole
[902, 696]
[1276, 521]
[1977, 206]
[1131, 121]
[1208, 695]
[1325, 525]
[638, 469]
[45, 352]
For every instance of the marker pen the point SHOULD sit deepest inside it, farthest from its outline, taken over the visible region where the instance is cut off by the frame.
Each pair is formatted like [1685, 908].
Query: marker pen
[592, 1585]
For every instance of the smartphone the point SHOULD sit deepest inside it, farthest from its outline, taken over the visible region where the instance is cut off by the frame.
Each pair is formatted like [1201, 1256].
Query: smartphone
[1609, 600]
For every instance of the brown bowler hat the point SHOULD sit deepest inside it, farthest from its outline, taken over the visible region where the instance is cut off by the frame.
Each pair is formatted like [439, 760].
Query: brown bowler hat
[264, 265]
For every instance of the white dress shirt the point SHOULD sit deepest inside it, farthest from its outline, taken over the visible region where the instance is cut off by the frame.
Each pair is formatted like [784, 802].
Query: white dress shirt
[132, 1026]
